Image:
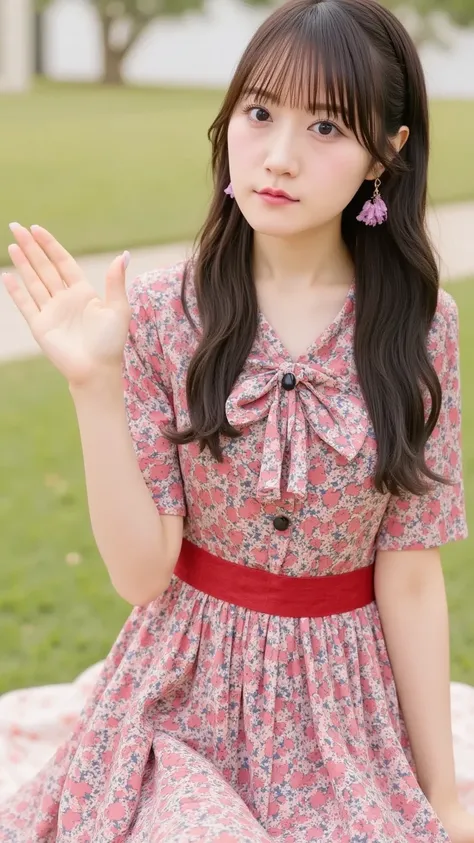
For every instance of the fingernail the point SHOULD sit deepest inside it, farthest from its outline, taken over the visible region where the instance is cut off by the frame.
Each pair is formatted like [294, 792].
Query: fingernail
[14, 225]
[126, 259]
[35, 227]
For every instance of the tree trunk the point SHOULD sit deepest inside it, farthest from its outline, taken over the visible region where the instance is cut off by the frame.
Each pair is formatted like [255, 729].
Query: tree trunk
[38, 44]
[113, 67]
[113, 59]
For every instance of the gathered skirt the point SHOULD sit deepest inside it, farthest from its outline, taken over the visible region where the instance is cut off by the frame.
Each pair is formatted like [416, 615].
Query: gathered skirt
[209, 721]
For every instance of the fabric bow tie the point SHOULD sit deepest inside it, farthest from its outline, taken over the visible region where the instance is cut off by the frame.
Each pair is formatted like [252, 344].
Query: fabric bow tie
[318, 398]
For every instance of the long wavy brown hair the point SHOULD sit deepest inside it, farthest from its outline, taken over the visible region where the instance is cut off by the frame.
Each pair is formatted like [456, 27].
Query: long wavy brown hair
[370, 70]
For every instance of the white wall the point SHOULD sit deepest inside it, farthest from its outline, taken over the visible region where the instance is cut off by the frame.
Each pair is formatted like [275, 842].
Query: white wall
[203, 49]
[450, 71]
[16, 45]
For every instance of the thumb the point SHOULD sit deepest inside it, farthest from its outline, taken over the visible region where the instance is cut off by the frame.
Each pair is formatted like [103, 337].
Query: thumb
[115, 291]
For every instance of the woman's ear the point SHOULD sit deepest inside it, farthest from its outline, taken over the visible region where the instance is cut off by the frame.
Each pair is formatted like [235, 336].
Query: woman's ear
[400, 138]
[398, 142]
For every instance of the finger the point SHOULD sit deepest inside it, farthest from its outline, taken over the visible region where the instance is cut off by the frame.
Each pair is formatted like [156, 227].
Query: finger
[66, 266]
[21, 297]
[41, 264]
[36, 289]
[115, 290]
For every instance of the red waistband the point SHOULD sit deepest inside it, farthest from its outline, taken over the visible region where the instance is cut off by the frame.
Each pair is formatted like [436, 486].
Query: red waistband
[274, 594]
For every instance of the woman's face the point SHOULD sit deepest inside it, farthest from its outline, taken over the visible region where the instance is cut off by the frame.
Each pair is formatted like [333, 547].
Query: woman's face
[313, 158]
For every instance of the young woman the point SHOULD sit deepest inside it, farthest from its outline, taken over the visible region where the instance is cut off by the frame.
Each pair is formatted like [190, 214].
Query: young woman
[272, 491]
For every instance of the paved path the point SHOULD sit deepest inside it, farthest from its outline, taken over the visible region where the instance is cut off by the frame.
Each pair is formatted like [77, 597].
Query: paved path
[451, 226]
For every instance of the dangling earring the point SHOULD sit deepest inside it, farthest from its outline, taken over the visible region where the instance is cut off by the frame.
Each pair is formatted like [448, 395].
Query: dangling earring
[374, 211]
[230, 191]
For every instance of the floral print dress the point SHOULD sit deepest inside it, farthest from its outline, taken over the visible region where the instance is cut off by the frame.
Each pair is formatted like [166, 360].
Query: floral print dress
[212, 722]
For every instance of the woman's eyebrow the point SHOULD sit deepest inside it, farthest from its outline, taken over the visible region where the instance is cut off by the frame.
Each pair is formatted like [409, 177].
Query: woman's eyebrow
[268, 96]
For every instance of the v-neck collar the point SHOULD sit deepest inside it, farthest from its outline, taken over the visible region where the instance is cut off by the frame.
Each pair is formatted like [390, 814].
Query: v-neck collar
[267, 331]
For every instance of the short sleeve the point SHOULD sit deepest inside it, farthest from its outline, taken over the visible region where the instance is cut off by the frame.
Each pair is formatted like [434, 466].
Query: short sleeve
[416, 522]
[149, 404]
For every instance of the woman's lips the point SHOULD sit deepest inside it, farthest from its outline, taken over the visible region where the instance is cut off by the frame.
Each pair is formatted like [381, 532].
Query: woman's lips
[276, 197]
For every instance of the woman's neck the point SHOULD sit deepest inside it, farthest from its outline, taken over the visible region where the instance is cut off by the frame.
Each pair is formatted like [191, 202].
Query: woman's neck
[310, 259]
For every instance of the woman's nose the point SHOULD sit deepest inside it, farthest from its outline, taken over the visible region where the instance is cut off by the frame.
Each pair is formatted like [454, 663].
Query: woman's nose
[281, 158]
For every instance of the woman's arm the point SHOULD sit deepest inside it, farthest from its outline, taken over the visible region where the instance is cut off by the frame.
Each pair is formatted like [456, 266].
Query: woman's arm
[139, 546]
[411, 599]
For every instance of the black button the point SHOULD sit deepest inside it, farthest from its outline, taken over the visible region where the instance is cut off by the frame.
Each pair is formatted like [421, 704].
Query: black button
[281, 522]
[288, 381]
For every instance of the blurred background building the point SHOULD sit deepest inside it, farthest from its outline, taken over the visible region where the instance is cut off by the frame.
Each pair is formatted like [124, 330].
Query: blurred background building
[199, 47]
[16, 44]
[202, 49]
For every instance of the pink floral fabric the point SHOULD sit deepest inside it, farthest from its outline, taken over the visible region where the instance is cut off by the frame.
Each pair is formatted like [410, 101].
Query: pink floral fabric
[35, 721]
[320, 401]
[211, 722]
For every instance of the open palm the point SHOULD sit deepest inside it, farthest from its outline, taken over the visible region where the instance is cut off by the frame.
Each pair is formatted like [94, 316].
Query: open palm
[77, 330]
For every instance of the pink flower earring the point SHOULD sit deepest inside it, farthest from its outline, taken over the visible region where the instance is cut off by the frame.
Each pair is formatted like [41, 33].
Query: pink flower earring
[374, 211]
[230, 191]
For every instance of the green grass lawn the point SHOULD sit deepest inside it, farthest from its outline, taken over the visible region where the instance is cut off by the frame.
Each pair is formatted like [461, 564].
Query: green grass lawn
[58, 612]
[113, 169]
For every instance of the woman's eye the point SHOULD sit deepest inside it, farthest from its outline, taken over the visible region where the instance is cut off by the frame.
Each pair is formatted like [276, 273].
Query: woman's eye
[326, 129]
[260, 115]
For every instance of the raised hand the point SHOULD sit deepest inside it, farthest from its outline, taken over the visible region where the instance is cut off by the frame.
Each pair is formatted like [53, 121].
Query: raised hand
[79, 332]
